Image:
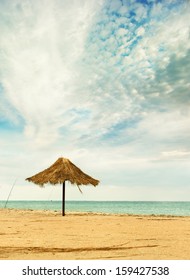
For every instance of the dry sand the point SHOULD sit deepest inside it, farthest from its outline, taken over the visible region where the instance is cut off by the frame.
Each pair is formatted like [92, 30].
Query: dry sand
[47, 235]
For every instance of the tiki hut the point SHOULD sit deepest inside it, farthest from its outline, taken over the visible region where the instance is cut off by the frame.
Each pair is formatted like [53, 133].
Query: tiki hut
[59, 172]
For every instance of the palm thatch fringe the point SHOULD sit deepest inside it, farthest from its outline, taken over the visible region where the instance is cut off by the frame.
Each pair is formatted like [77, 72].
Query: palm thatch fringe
[59, 172]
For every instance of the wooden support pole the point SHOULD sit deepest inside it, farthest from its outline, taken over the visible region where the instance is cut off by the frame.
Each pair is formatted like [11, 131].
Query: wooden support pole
[63, 200]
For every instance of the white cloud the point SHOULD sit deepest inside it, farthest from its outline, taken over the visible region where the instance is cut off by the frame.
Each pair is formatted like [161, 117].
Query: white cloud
[166, 128]
[140, 31]
[115, 5]
[39, 56]
[176, 154]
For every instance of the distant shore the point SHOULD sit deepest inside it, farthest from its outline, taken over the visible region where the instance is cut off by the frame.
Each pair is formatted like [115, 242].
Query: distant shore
[38, 234]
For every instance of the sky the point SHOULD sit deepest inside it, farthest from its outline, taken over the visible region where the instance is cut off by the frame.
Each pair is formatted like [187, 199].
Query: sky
[104, 83]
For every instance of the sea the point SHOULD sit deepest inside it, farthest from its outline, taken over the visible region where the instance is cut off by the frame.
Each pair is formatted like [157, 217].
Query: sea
[174, 208]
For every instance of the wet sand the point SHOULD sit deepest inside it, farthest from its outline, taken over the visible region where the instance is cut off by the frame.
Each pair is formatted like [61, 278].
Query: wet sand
[35, 235]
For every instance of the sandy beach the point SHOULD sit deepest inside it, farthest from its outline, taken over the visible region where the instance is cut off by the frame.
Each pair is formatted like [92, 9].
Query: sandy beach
[47, 235]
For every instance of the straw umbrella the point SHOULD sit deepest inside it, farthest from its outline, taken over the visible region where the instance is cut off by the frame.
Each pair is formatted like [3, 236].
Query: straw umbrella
[59, 172]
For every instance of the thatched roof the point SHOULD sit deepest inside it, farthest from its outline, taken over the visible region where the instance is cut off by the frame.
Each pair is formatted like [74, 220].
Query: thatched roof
[59, 172]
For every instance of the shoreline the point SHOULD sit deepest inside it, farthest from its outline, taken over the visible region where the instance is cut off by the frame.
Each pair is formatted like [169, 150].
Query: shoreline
[174, 208]
[47, 235]
[80, 213]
